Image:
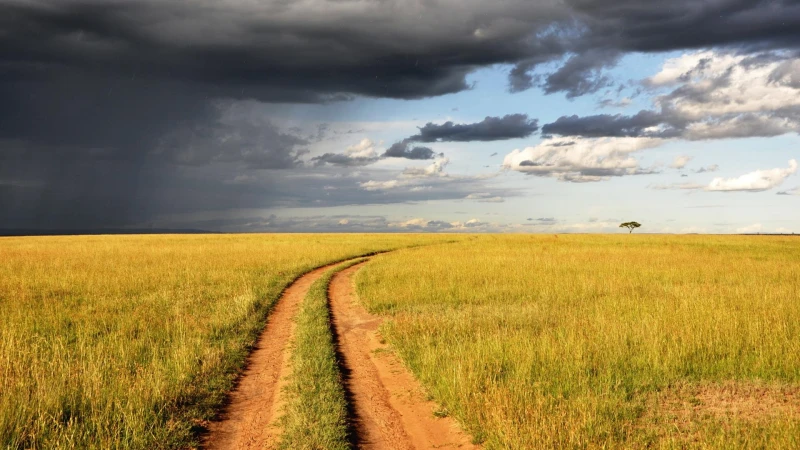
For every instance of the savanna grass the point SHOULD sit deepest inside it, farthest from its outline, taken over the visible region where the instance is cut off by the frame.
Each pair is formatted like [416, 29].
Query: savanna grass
[132, 341]
[602, 341]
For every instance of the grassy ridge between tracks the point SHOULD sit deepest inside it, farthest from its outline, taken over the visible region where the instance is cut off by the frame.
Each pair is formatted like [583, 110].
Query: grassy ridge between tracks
[316, 408]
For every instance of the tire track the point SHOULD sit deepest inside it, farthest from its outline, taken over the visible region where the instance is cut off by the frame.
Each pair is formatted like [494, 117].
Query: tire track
[248, 420]
[388, 407]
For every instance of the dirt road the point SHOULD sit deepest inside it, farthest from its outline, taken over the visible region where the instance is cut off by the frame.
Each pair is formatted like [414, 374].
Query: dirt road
[248, 420]
[389, 409]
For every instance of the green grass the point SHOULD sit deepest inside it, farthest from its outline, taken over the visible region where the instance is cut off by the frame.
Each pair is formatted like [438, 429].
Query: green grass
[315, 417]
[132, 341]
[602, 341]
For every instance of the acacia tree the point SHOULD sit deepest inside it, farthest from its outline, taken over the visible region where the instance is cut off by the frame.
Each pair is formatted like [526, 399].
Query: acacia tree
[630, 225]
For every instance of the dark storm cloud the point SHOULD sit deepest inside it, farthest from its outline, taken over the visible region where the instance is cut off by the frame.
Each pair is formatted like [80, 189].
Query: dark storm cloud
[54, 191]
[521, 79]
[660, 25]
[510, 126]
[314, 49]
[117, 116]
[109, 193]
[233, 137]
[109, 113]
[276, 51]
[405, 150]
[601, 125]
[142, 158]
[402, 149]
[582, 74]
[343, 160]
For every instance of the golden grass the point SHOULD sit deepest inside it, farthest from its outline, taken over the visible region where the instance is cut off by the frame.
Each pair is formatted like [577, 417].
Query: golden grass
[737, 408]
[132, 341]
[570, 341]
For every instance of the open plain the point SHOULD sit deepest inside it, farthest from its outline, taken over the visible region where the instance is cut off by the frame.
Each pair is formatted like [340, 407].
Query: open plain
[432, 341]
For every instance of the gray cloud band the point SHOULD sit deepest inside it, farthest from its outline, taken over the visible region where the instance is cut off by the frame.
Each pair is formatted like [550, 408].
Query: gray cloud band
[489, 129]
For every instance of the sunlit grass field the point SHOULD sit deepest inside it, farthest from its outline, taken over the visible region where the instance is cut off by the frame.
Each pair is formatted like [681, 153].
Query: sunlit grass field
[542, 341]
[131, 341]
[531, 341]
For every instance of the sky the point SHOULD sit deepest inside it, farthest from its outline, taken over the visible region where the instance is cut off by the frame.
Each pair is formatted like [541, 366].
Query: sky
[532, 116]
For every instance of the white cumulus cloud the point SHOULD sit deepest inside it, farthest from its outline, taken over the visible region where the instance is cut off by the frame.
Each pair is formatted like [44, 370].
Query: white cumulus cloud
[435, 169]
[364, 149]
[681, 161]
[581, 159]
[760, 180]
[716, 83]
